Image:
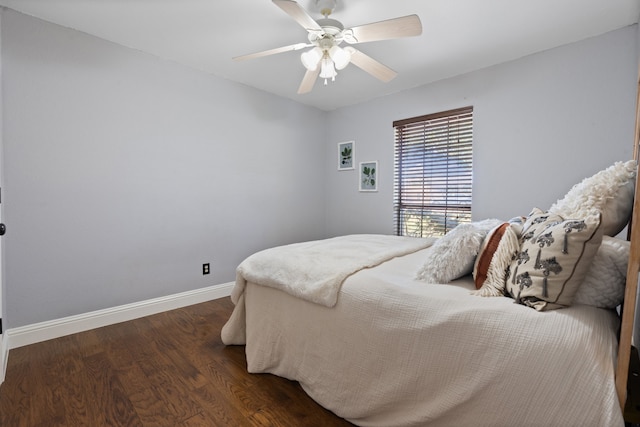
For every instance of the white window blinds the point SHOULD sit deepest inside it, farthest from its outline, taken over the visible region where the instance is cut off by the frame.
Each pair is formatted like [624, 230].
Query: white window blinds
[433, 172]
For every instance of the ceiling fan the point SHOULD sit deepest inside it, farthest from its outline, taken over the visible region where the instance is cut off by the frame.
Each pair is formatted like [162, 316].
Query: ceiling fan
[325, 37]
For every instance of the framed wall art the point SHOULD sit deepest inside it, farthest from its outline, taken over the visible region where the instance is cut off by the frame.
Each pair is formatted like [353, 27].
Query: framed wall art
[369, 176]
[346, 155]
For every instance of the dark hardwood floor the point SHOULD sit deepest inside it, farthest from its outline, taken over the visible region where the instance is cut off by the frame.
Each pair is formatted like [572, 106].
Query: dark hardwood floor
[169, 369]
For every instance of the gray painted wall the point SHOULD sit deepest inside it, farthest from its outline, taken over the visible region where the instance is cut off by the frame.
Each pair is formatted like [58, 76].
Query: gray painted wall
[125, 173]
[541, 124]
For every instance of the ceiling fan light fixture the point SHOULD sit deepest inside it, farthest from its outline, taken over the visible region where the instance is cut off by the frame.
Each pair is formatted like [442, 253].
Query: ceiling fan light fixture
[327, 69]
[340, 57]
[311, 58]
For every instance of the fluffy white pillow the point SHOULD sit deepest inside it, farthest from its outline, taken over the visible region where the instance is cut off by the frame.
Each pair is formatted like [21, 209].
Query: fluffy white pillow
[605, 281]
[452, 256]
[609, 191]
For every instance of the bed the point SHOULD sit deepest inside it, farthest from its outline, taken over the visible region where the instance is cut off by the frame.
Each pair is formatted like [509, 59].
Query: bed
[375, 333]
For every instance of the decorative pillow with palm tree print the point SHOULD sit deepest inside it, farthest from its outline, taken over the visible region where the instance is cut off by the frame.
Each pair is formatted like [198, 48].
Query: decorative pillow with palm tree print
[555, 255]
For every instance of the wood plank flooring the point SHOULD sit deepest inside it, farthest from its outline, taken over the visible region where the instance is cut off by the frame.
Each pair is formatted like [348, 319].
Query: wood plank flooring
[169, 369]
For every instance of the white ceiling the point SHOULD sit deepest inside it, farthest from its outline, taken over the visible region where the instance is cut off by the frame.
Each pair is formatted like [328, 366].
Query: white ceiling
[458, 36]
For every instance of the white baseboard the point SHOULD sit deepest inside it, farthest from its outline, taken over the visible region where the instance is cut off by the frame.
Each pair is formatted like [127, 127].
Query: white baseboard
[31, 334]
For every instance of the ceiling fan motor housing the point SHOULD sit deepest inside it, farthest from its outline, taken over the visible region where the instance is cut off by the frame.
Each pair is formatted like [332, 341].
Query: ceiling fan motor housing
[331, 30]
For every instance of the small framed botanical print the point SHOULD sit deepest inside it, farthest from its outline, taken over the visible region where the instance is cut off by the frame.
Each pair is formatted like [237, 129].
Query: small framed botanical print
[346, 154]
[369, 176]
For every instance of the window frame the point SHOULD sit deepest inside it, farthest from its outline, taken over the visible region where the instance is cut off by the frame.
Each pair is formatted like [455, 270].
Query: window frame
[447, 143]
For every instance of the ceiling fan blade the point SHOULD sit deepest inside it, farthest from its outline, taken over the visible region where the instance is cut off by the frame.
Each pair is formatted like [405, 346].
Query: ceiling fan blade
[371, 66]
[308, 81]
[406, 26]
[272, 51]
[294, 10]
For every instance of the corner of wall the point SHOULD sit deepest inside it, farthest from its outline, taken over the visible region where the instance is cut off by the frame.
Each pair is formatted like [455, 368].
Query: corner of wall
[4, 356]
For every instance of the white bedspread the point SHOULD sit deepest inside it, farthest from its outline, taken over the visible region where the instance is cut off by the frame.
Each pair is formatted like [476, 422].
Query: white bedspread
[314, 271]
[394, 351]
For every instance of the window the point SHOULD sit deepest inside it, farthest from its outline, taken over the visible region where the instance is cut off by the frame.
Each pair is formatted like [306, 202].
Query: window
[433, 172]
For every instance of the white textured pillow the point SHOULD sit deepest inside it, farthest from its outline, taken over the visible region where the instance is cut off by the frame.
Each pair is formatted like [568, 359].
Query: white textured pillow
[452, 256]
[609, 191]
[498, 250]
[605, 281]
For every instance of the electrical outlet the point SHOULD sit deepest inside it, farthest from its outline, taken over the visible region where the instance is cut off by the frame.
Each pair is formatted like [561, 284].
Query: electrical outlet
[205, 268]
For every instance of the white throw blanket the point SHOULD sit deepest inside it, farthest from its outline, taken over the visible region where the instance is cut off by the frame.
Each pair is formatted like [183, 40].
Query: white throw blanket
[314, 271]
